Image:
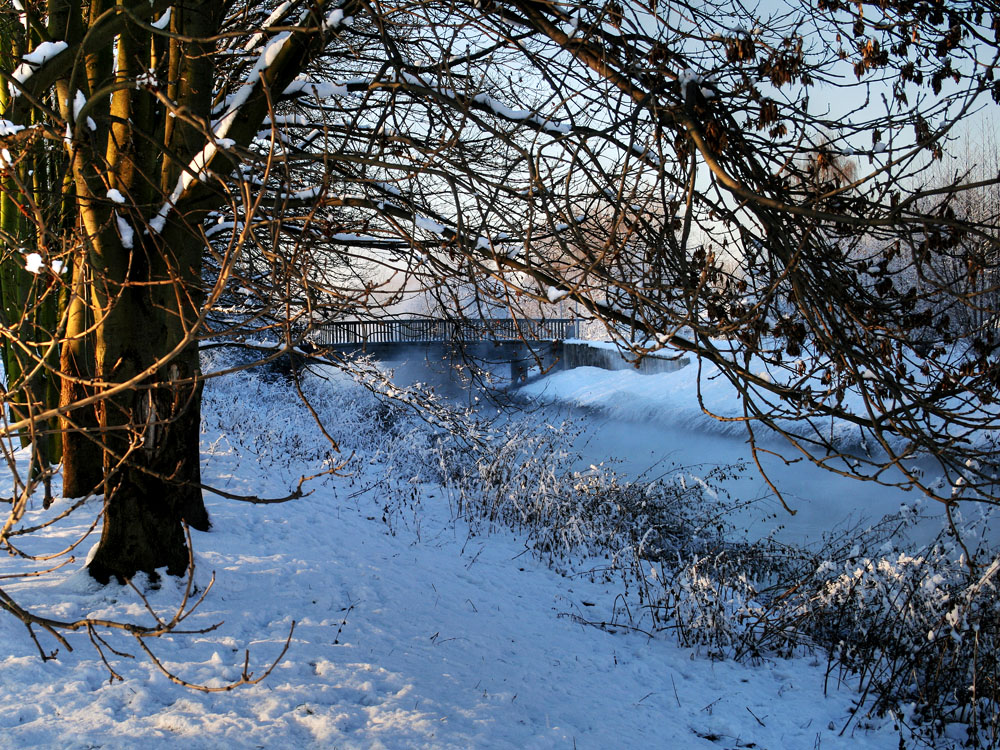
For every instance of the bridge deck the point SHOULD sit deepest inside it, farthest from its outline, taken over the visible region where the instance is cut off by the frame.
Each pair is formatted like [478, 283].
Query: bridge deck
[427, 331]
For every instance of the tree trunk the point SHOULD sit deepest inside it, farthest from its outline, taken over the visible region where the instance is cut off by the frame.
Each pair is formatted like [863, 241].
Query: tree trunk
[151, 461]
[147, 297]
[150, 497]
[142, 529]
[83, 470]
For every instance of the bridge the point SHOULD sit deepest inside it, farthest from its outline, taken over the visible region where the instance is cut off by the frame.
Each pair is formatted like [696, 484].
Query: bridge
[521, 341]
[360, 333]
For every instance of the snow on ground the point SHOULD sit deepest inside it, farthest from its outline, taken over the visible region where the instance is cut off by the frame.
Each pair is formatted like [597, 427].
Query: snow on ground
[418, 634]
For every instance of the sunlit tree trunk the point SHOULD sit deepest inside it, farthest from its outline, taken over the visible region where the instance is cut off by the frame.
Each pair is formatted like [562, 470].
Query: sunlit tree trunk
[81, 450]
[147, 301]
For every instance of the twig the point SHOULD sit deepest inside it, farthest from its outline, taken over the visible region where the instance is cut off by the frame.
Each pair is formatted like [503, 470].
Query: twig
[246, 678]
[336, 638]
[94, 638]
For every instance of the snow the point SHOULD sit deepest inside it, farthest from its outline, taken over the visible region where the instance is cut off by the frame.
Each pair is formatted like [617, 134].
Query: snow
[308, 193]
[554, 295]
[688, 76]
[196, 170]
[163, 21]
[425, 223]
[79, 102]
[148, 80]
[388, 188]
[645, 154]
[223, 226]
[497, 107]
[115, 195]
[354, 237]
[265, 59]
[157, 223]
[44, 52]
[271, 20]
[630, 395]
[33, 263]
[9, 128]
[668, 397]
[501, 109]
[417, 632]
[333, 19]
[635, 420]
[125, 231]
[319, 89]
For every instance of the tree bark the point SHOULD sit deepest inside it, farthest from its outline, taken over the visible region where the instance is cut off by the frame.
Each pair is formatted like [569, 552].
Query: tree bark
[83, 471]
[147, 299]
[151, 460]
[142, 529]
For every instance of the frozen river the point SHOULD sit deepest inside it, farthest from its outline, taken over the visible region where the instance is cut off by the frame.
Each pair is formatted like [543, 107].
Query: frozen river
[821, 500]
[648, 442]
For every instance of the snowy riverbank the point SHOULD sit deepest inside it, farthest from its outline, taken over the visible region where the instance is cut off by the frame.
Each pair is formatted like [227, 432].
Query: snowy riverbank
[417, 633]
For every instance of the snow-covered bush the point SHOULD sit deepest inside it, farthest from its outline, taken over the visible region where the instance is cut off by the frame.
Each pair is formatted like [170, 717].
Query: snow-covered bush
[328, 417]
[260, 419]
[527, 477]
[711, 598]
[921, 630]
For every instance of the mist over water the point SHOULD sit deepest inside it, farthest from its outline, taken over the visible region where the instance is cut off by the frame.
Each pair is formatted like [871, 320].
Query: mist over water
[459, 381]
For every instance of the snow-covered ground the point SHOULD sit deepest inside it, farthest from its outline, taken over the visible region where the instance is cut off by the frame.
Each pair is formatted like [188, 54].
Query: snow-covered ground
[411, 631]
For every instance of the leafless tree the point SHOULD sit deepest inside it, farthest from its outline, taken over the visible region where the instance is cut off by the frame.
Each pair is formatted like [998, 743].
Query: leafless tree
[749, 186]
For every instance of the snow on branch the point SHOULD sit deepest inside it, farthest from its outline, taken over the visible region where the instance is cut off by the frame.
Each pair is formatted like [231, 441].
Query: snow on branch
[31, 62]
[498, 108]
[502, 110]
[163, 21]
[9, 128]
[196, 170]
[318, 89]
[266, 58]
[272, 19]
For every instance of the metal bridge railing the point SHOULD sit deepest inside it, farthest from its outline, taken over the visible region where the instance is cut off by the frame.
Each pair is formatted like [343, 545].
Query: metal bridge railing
[424, 331]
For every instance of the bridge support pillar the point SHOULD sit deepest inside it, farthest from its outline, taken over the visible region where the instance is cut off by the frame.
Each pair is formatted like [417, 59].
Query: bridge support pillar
[518, 370]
